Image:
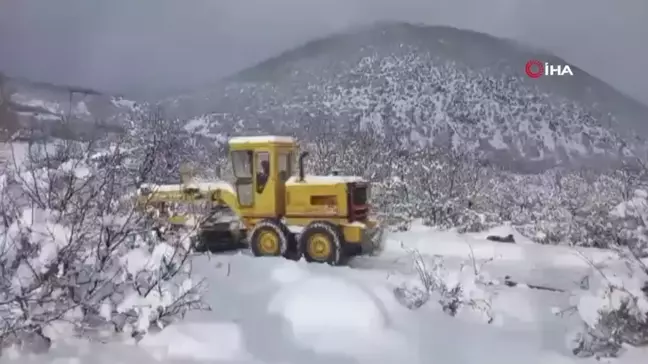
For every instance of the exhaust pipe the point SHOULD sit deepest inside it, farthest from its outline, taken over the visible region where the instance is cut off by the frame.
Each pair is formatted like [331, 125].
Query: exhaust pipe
[301, 165]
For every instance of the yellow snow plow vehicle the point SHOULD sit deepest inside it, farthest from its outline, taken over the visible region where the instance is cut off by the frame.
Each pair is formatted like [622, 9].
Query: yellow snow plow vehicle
[322, 218]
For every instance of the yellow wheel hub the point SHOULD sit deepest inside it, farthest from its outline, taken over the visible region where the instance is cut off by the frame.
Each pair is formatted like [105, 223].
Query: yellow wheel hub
[269, 242]
[319, 246]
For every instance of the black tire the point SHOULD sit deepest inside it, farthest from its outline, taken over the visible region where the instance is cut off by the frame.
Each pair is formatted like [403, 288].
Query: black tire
[322, 232]
[265, 231]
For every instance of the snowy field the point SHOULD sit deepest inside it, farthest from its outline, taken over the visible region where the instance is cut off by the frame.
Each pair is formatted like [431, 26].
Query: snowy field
[13, 152]
[271, 310]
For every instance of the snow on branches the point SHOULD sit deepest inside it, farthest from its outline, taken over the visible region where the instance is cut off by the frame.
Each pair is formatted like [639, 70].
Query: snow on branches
[455, 290]
[614, 306]
[159, 146]
[633, 217]
[74, 252]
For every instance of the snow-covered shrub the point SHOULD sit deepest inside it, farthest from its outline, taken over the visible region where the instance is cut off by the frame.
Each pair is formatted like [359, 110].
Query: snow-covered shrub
[453, 290]
[614, 310]
[443, 187]
[75, 252]
[157, 147]
[558, 206]
[392, 203]
[632, 219]
[615, 307]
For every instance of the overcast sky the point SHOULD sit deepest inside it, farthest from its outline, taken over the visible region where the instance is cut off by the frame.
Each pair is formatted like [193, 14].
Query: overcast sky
[136, 45]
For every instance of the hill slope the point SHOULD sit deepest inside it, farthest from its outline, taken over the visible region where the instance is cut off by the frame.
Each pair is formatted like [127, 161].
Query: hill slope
[59, 111]
[429, 83]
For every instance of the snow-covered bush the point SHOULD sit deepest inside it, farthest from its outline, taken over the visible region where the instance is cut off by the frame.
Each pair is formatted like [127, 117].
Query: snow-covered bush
[157, 147]
[559, 206]
[443, 187]
[614, 309]
[453, 290]
[74, 252]
[632, 216]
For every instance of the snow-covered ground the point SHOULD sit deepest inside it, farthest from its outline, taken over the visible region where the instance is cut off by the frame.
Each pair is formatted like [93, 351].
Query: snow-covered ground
[268, 310]
[13, 153]
[16, 153]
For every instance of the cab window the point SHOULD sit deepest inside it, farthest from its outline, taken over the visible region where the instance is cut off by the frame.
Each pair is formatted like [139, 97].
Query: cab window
[242, 163]
[285, 166]
[245, 194]
[242, 166]
[263, 170]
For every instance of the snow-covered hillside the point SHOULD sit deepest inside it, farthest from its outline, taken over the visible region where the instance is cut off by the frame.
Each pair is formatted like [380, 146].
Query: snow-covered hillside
[411, 83]
[421, 83]
[271, 310]
[61, 111]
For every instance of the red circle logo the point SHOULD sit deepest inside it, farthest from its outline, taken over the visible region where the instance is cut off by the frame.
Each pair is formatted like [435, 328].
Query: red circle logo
[534, 68]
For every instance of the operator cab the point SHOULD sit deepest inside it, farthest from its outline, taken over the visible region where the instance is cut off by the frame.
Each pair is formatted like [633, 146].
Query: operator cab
[265, 185]
[262, 165]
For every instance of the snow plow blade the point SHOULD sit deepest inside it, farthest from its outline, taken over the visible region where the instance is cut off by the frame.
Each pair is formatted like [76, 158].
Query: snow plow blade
[221, 231]
[219, 238]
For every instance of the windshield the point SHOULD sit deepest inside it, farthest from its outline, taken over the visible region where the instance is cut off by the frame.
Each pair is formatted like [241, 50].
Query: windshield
[242, 163]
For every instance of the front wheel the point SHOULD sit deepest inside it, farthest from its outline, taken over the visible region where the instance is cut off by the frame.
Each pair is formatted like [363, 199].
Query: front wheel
[269, 238]
[321, 242]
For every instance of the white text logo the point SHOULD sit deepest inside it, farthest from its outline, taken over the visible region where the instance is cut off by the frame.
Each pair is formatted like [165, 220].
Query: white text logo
[535, 69]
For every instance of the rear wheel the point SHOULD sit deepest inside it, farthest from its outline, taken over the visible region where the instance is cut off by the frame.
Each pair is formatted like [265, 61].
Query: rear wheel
[269, 238]
[321, 242]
